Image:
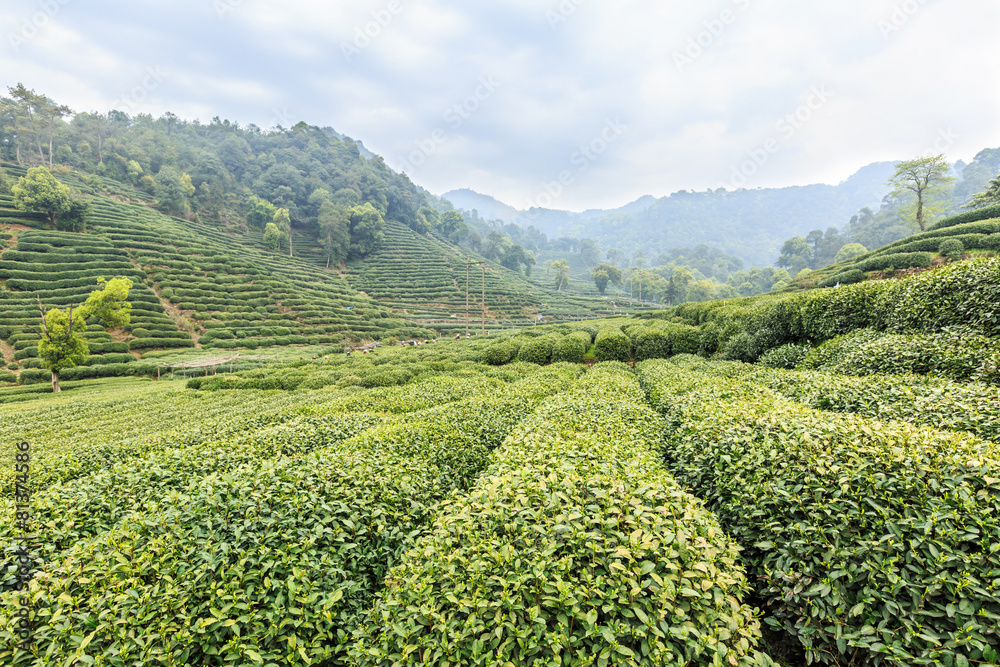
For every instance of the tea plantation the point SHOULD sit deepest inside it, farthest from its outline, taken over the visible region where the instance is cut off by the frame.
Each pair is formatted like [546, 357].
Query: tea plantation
[807, 478]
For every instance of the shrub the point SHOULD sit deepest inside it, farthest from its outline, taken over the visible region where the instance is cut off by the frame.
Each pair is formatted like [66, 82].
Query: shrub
[575, 500]
[848, 277]
[537, 350]
[612, 345]
[572, 347]
[836, 349]
[952, 249]
[872, 541]
[651, 344]
[971, 216]
[7, 376]
[786, 356]
[502, 352]
[905, 260]
[992, 242]
[957, 353]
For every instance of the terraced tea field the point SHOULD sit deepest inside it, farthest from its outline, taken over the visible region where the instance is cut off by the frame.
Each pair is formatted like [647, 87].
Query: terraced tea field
[419, 506]
[426, 278]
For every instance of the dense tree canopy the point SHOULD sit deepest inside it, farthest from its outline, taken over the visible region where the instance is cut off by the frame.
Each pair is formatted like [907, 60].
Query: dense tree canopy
[62, 343]
[40, 192]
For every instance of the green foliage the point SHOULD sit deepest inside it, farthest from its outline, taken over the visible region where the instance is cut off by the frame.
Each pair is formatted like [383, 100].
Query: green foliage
[571, 348]
[952, 249]
[502, 352]
[259, 213]
[288, 490]
[789, 355]
[538, 350]
[62, 345]
[987, 213]
[273, 235]
[574, 501]
[989, 197]
[933, 402]
[838, 533]
[367, 229]
[75, 218]
[605, 273]
[7, 376]
[849, 251]
[38, 191]
[925, 180]
[612, 345]
[896, 261]
[848, 277]
[959, 354]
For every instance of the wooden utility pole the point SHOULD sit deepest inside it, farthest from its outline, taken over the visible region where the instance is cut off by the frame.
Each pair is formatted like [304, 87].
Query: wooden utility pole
[469, 263]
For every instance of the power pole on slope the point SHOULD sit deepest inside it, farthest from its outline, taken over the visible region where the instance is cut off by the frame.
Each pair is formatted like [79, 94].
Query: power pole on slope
[469, 263]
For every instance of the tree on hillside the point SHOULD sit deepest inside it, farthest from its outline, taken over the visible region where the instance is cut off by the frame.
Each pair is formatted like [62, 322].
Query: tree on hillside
[38, 191]
[259, 212]
[605, 273]
[562, 273]
[452, 224]
[850, 251]
[921, 178]
[283, 221]
[62, 343]
[172, 191]
[989, 197]
[796, 254]
[367, 229]
[273, 236]
[589, 252]
[335, 233]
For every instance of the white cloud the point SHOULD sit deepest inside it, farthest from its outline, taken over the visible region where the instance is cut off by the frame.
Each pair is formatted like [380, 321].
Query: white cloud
[564, 68]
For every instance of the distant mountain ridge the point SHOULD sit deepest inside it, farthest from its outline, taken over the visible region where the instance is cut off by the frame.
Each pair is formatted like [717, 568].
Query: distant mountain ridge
[751, 224]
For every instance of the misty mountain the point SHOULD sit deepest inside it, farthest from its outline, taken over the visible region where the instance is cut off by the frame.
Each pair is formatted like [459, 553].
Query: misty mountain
[751, 224]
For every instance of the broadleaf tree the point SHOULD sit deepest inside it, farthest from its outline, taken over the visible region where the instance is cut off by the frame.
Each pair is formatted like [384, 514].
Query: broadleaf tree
[38, 191]
[921, 180]
[604, 274]
[62, 343]
[561, 267]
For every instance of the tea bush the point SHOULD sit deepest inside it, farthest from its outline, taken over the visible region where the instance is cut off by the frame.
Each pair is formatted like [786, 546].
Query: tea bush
[282, 525]
[575, 547]
[572, 347]
[789, 356]
[538, 350]
[933, 402]
[612, 345]
[870, 541]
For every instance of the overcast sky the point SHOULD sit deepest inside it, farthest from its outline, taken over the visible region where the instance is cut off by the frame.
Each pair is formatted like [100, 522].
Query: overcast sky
[616, 99]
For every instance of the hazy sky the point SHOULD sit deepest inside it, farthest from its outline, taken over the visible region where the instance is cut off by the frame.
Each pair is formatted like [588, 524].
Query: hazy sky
[615, 99]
